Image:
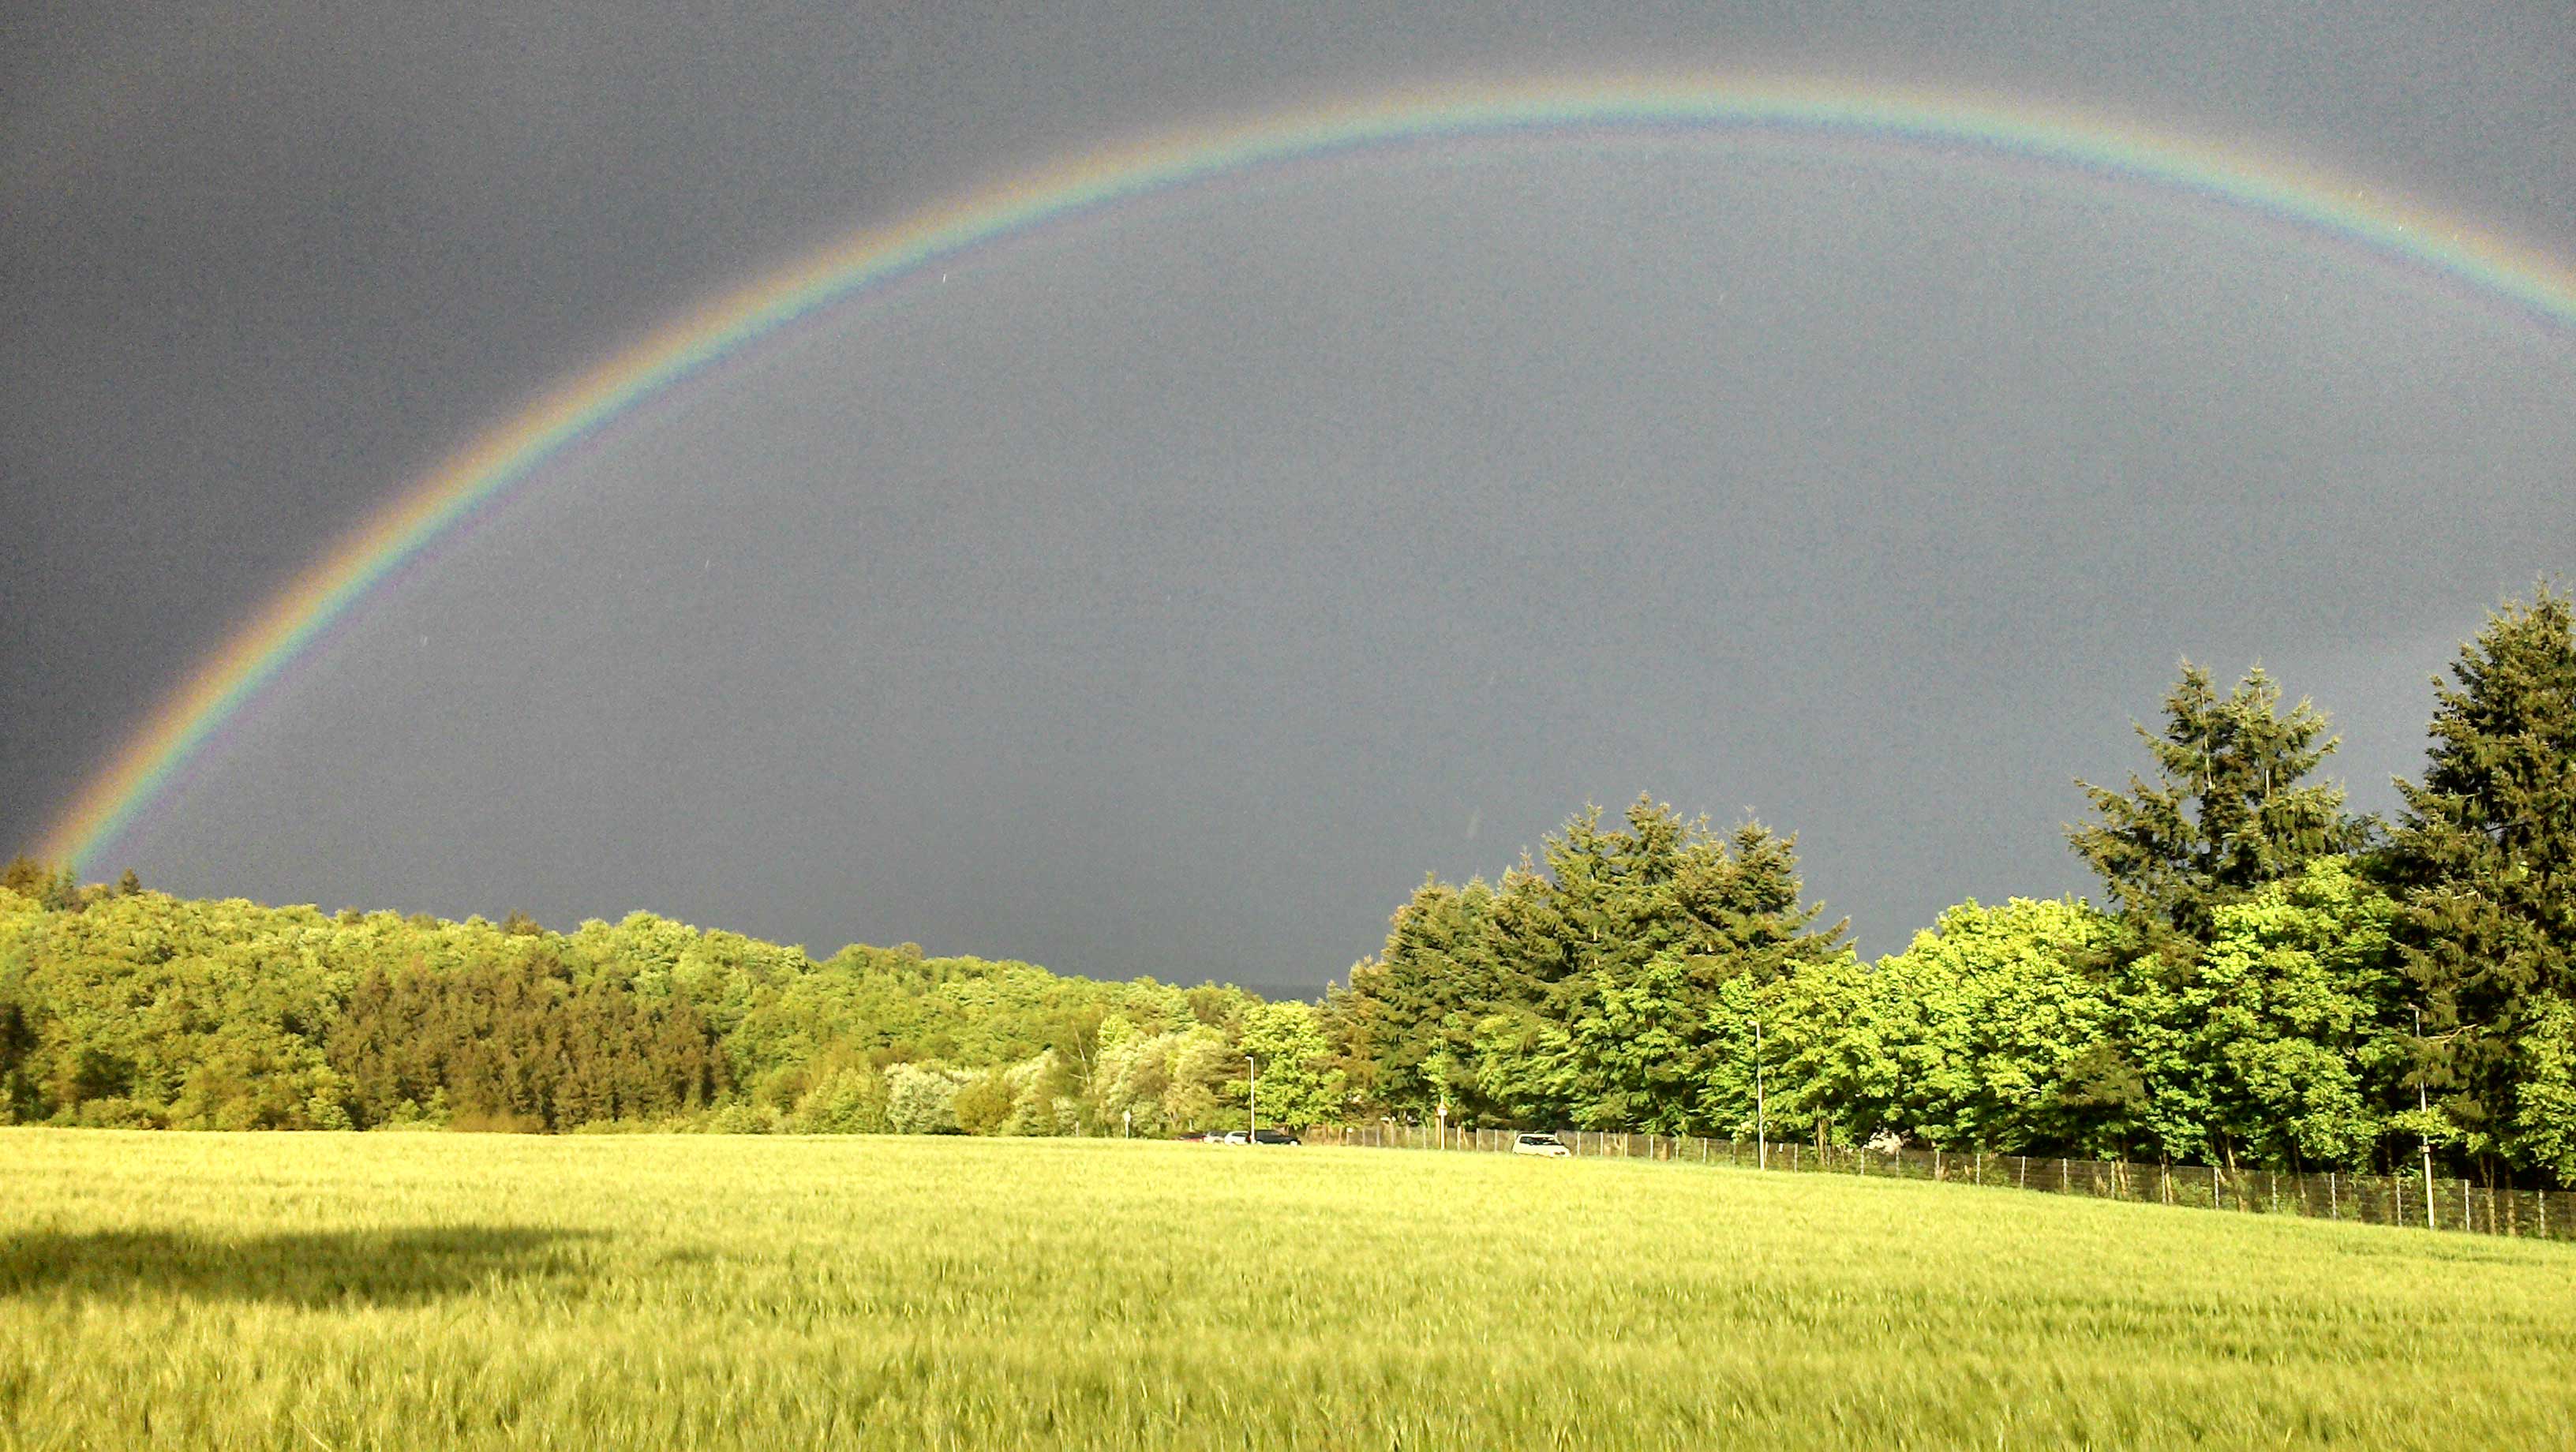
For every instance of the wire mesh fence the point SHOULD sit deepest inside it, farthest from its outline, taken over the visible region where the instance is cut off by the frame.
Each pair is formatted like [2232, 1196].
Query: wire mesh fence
[2396, 1199]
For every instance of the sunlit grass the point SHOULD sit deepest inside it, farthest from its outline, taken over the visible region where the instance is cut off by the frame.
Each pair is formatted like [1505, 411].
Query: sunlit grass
[435, 1290]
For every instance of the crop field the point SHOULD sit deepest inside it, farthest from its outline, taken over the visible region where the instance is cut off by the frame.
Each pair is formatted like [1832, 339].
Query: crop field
[394, 1291]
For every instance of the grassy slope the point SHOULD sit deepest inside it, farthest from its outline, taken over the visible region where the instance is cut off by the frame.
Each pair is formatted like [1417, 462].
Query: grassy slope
[414, 1290]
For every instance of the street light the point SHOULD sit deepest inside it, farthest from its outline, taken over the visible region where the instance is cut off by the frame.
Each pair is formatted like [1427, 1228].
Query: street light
[1251, 1101]
[2424, 1121]
[1761, 1125]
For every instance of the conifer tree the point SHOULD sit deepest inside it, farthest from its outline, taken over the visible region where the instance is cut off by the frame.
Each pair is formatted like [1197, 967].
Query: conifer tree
[2485, 856]
[2229, 809]
[1664, 916]
[1407, 1018]
[26, 876]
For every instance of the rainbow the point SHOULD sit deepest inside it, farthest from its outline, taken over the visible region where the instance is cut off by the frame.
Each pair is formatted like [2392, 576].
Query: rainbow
[2086, 148]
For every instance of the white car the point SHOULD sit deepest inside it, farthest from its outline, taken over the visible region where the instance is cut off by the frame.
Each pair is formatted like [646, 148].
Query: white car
[1540, 1144]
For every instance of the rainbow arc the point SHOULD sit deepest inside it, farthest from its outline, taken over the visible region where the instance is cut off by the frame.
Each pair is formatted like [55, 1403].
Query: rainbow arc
[2329, 211]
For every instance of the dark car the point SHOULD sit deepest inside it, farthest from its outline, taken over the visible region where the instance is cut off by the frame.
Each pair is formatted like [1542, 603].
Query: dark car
[1273, 1136]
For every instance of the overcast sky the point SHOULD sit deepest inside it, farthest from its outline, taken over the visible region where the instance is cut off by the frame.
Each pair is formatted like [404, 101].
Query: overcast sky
[1168, 592]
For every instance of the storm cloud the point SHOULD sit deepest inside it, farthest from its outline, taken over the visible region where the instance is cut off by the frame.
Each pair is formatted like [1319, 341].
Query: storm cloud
[1166, 592]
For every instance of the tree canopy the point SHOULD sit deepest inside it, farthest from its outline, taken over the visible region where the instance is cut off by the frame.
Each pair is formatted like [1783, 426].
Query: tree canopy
[2270, 980]
[131, 1007]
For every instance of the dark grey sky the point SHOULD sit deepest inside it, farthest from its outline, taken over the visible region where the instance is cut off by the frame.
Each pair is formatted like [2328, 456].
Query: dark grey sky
[1165, 594]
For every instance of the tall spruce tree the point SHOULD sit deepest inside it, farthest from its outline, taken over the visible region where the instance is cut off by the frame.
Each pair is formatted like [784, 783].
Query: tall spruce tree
[2230, 808]
[2485, 856]
[2229, 812]
[1664, 915]
[1406, 1022]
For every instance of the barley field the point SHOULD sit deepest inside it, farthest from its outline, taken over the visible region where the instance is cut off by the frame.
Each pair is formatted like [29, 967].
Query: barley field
[397, 1291]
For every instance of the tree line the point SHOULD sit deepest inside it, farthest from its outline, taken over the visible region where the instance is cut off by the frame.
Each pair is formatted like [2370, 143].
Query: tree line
[2272, 979]
[125, 1007]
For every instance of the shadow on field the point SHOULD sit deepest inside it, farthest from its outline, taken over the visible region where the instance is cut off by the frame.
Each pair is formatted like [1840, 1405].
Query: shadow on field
[312, 1270]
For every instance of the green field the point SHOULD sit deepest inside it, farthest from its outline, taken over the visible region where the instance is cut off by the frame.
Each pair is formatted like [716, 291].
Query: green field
[384, 1291]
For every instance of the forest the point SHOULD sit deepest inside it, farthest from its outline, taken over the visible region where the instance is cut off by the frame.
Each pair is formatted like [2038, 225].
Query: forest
[2269, 979]
[125, 1007]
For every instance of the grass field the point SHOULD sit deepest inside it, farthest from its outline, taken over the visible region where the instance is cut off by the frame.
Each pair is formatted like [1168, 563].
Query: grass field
[391, 1291]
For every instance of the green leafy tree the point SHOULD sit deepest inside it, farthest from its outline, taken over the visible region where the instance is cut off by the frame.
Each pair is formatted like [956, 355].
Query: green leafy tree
[850, 1099]
[1298, 1085]
[920, 1100]
[2277, 1042]
[1967, 1038]
[1202, 1067]
[983, 1104]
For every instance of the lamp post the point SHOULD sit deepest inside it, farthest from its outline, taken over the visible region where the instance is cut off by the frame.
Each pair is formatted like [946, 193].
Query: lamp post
[1251, 1102]
[2424, 1109]
[1761, 1127]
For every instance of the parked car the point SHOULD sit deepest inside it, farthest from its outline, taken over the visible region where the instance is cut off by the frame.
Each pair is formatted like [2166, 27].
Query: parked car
[1273, 1136]
[1540, 1144]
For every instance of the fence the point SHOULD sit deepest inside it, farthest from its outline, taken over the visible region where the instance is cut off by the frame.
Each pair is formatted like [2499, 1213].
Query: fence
[2371, 1199]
